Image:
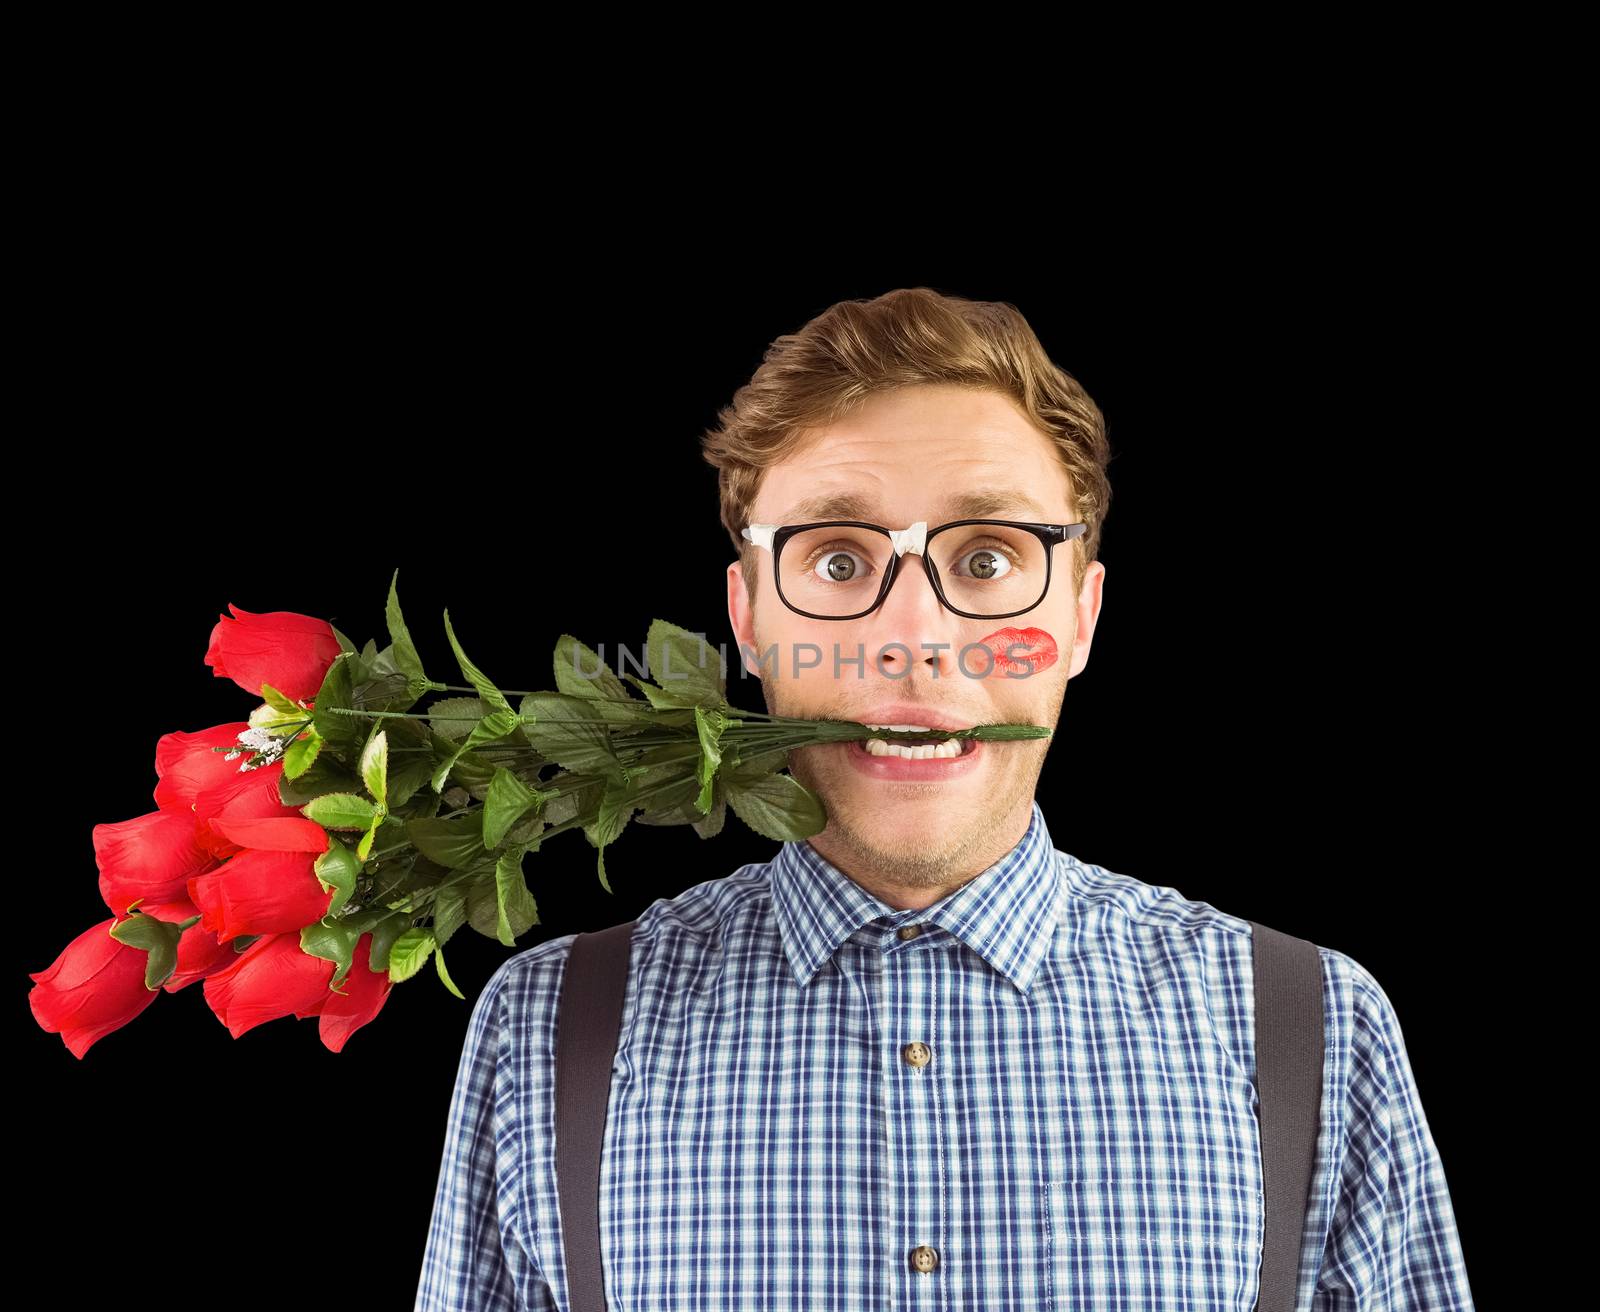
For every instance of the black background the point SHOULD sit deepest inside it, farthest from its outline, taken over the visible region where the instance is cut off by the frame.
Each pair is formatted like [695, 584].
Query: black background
[1281, 714]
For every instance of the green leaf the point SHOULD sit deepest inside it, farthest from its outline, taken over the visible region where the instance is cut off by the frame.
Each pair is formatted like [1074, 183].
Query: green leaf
[675, 803]
[340, 811]
[508, 799]
[582, 673]
[409, 953]
[345, 644]
[361, 919]
[492, 728]
[337, 869]
[486, 907]
[476, 677]
[647, 715]
[659, 697]
[709, 723]
[683, 811]
[685, 665]
[449, 912]
[444, 975]
[267, 718]
[341, 732]
[452, 843]
[384, 935]
[560, 727]
[405, 650]
[456, 717]
[387, 689]
[336, 944]
[527, 831]
[753, 767]
[286, 706]
[777, 806]
[514, 905]
[579, 796]
[411, 760]
[616, 807]
[158, 938]
[667, 776]
[327, 774]
[364, 847]
[375, 767]
[472, 773]
[301, 754]
[710, 824]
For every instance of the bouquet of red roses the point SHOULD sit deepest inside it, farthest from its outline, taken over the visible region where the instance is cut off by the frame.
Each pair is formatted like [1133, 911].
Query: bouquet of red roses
[355, 834]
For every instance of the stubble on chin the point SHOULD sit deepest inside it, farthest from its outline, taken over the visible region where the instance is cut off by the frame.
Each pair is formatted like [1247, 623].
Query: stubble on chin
[858, 840]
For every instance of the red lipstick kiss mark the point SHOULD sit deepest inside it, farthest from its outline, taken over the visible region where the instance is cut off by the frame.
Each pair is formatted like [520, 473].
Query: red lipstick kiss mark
[1019, 653]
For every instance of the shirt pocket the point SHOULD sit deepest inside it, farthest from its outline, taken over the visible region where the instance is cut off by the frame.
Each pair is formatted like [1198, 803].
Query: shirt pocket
[1115, 1243]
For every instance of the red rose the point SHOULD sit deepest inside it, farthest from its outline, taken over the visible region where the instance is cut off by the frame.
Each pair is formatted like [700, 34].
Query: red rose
[252, 795]
[151, 856]
[365, 992]
[272, 977]
[187, 767]
[262, 891]
[290, 651]
[95, 986]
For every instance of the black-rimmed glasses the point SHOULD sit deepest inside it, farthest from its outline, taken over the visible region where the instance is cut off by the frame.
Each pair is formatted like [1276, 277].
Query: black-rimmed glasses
[842, 569]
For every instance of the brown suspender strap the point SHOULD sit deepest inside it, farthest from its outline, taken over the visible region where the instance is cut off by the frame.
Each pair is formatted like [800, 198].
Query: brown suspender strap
[588, 1021]
[1289, 1055]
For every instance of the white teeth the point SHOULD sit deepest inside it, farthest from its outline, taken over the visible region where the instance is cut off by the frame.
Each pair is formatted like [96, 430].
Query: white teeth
[913, 752]
[920, 752]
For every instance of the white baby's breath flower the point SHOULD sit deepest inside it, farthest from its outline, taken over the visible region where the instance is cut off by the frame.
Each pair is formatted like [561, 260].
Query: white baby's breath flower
[267, 749]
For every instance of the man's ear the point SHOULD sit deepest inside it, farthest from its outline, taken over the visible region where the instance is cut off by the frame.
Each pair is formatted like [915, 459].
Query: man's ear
[1088, 615]
[741, 618]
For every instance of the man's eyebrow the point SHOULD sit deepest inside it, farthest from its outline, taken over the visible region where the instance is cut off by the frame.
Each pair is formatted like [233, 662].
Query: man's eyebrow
[988, 503]
[992, 503]
[829, 505]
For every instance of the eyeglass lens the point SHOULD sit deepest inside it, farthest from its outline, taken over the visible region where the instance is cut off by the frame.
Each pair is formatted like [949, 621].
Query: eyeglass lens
[985, 569]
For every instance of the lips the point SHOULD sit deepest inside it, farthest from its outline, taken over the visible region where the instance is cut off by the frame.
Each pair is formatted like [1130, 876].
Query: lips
[1019, 653]
[912, 713]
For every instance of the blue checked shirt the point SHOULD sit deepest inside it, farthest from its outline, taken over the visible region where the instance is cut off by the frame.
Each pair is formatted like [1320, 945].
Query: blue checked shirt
[1035, 1094]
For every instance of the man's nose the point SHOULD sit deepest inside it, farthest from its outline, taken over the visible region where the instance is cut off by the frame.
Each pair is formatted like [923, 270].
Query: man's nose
[912, 587]
[913, 616]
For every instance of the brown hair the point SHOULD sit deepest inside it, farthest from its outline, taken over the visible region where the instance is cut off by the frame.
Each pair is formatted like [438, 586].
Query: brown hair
[853, 349]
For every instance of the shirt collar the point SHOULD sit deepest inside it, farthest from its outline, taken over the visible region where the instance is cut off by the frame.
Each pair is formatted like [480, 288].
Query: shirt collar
[1007, 914]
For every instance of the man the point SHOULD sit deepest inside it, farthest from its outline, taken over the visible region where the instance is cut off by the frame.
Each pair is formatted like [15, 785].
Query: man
[925, 1058]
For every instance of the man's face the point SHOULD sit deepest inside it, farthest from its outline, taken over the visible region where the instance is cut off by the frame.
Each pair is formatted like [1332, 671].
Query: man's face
[907, 453]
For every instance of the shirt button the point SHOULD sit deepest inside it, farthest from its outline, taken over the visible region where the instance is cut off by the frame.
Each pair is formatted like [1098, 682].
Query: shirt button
[916, 1054]
[909, 931]
[924, 1257]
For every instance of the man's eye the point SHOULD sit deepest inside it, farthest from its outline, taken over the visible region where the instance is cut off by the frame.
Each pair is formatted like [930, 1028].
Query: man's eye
[984, 563]
[840, 567]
